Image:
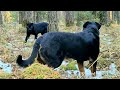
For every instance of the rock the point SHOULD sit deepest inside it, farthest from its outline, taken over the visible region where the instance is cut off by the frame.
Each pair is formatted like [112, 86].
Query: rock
[6, 67]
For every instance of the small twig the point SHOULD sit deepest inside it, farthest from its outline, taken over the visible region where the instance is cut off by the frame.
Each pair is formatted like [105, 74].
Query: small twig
[96, 60]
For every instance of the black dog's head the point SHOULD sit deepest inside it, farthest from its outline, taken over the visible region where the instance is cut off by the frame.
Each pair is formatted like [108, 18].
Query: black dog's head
[29, 27]
[94, 25]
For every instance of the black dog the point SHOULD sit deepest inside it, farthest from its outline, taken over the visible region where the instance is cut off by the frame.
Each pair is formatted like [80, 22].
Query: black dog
[35, 29]
[53, 47]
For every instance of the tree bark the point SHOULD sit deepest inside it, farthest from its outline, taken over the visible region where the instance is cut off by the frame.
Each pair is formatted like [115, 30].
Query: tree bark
[39, 16]
[118, 17]
[1, 20]
[26, 17]
[53, 21]
[103, 17]
[69, 18]
[79, 19]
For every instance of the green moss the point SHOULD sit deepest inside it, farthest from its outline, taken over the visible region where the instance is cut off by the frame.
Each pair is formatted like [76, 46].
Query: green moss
[39, 71]
[69, 66]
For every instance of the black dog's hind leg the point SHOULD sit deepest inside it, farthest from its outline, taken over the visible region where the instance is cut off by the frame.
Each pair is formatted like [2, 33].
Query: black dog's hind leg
[52, 58]
[81, 68]
[40, 60]
[28, 35]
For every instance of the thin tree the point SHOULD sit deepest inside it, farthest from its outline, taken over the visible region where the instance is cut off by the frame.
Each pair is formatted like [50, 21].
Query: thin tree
[26, 17]
[53, 21]
[1, 20]
[39, 16]
[79, 19]
[118, 17]
[103, 17]
[21, 15]
[69, 16]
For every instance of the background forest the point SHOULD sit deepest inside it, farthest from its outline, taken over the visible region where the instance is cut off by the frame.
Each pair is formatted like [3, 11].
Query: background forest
[13, 33]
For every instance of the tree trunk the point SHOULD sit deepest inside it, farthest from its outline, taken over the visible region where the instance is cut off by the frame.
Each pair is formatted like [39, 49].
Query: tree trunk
[103, 17]
[108, 17]
[29, 16]
[1, 20]
[39, 16]
[94, 13]
[69, 18]
[118, 17]
[79, 19]
[34, 16]
[21, 15]
[113, 17]
[53, 21]
[26, 17]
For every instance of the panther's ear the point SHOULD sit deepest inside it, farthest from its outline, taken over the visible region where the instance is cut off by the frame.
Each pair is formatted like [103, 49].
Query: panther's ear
[86, 23]
[98, 25]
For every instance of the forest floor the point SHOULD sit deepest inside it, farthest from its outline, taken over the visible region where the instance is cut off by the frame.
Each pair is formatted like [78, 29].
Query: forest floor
[12, 44]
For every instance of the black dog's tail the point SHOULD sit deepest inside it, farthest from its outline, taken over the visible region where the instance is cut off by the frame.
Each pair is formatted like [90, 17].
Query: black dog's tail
[31, 59]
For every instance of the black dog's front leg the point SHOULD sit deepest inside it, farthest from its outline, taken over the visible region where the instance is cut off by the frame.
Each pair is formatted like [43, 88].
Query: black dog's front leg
[93, 68]
[28, 35]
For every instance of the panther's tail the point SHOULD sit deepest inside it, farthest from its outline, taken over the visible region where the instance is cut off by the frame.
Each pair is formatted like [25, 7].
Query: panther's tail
[31, 59]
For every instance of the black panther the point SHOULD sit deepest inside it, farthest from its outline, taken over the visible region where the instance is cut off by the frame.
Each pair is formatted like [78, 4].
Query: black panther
[35, 29]
[53, 47]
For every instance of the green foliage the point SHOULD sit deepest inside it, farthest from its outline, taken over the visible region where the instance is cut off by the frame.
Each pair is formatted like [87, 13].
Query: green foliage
[43, 15]
[80, 23]
[69, 66]
[15, 16]
[84, 15]
[39, 71]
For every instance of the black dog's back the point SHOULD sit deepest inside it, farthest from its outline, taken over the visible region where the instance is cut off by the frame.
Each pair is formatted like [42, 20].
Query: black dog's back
[41, 27]
[78, 46]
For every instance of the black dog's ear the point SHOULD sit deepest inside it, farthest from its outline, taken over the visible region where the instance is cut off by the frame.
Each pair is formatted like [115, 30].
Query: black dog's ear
[98, 25]
[29, 24]
[85, 24]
